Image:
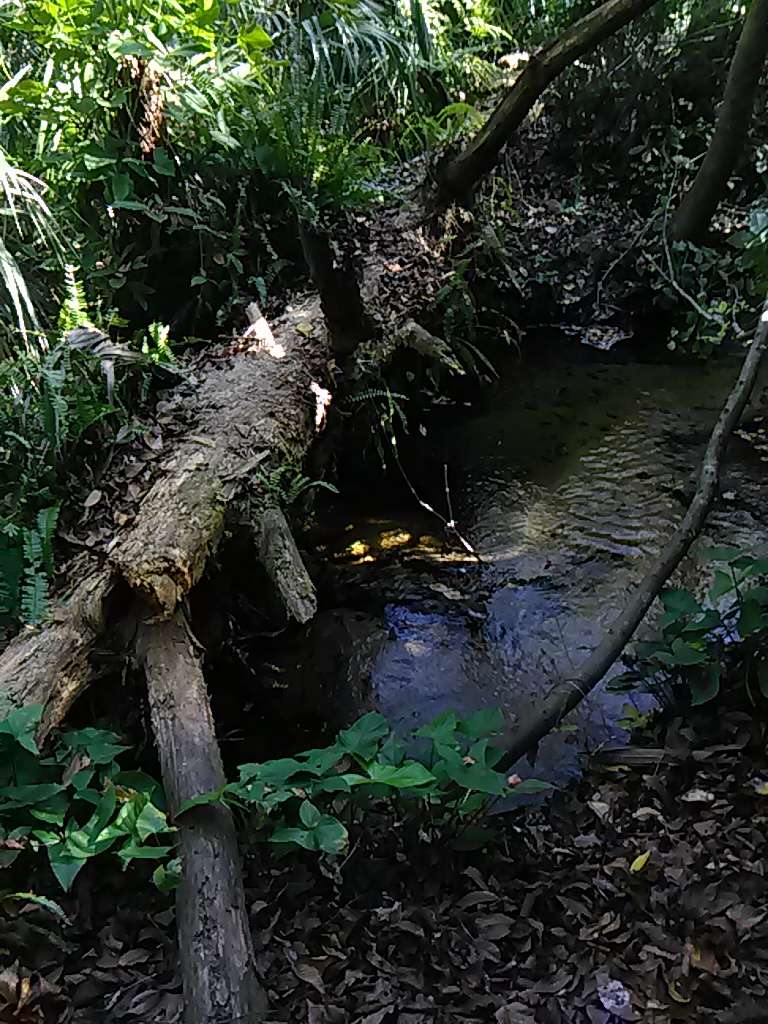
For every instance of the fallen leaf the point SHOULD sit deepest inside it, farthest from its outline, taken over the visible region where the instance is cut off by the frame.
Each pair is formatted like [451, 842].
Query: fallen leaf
[639, 862]
[310, 975]
[93, 499]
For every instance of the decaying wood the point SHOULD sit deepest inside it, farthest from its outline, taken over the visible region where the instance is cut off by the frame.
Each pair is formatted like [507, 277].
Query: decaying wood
[260, 403]
[51, 665]
[458, 176]
[281, 560]
[215, 947]
[569, 692]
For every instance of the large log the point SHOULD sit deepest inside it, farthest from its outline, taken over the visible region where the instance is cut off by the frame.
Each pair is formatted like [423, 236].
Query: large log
[215, 947]
[256, 407]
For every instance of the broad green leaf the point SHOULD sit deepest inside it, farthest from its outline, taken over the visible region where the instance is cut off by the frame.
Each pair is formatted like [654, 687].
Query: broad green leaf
[336, 784]
[66, 869]
[529, 787]
[441, 730]
[330, 836]
[723, 584]
[722, 553]
[703, 624]
[392, 750]
[752, 618]
[309, 814]
[26, 796]
[135, 851]
[410, 775]
[203, 800]
[41, 901]
[682, 653]
[254, 41]
[103, 813]
[150, 822]
[477, 777]
[100, 745]
[486, 722]
[681, 602]
[705, 686]
[22, 724]
[121, 187]
[163, 163]
[299, 836]
[362, 739]
[167, 876]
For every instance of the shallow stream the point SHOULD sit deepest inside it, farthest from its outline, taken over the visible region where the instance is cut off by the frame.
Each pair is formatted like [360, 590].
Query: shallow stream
[566, 480]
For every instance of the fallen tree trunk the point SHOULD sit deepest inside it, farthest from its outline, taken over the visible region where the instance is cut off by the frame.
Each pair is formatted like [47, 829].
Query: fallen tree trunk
[215, 947]
[258, 404]
[698, 206]
[571, 691]
[457, 177]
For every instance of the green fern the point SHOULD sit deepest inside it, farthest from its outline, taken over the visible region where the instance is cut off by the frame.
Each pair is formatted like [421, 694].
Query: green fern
[38, 566]
[74, 308]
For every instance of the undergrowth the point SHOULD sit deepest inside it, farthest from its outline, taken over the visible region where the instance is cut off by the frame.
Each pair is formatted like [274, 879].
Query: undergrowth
[74, 802]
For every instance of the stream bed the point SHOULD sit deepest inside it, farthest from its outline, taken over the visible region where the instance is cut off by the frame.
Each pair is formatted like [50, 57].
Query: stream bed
[566, 479]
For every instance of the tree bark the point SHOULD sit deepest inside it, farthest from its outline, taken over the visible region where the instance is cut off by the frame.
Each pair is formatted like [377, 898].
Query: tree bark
[215, 947]
[260, 404]
[287, 573]
[336, 283]
[568, 693]
[698, 206]
[458, 177]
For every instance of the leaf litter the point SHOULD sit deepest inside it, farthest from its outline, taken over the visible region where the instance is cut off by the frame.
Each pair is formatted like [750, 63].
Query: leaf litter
[654, 912]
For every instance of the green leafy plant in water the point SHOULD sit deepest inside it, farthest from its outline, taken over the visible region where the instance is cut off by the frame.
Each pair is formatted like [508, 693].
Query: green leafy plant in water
[698, 638]
[77, 803]
[314, 799]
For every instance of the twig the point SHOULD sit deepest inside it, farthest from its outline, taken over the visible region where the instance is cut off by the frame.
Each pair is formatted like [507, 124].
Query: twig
[568, 693]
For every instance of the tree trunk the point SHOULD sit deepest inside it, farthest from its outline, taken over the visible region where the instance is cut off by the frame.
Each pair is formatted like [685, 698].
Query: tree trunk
[215, 947]
[250, 410]
[697, 208]
[570, 692]
[458, 177]
[336, 283]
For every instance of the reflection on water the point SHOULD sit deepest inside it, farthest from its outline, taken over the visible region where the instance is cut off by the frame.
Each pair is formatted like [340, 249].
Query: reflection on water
[567, 483]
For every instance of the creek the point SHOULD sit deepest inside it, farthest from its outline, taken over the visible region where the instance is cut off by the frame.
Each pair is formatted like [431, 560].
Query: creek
[566, 477]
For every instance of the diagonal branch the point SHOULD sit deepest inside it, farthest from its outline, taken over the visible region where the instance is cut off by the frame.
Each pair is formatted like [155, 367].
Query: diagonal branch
[571, 691]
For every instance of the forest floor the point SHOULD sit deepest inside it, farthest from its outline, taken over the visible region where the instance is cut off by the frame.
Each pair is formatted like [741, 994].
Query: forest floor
[638, 895]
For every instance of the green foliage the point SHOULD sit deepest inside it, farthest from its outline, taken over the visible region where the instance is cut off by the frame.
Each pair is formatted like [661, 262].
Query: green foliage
[702, 642]
[286, 483]
[76, 803]
[50, 397]
[443, 791]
